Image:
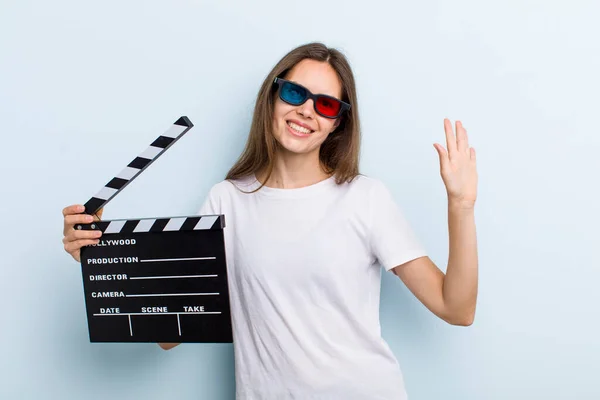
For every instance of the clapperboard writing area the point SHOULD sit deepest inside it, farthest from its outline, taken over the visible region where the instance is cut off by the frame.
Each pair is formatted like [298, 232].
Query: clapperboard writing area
[155, 279]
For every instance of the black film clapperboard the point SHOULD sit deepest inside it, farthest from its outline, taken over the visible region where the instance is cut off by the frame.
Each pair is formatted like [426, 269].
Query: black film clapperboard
[155, 279]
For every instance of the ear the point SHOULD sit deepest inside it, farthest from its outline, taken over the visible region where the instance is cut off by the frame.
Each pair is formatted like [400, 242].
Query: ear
[336, 124]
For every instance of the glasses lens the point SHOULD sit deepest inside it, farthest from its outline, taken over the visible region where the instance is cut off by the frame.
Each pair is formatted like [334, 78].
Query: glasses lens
[292, 93]
[328, 107]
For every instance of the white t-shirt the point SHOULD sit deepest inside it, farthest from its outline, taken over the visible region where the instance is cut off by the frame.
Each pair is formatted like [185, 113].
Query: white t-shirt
[304, 269]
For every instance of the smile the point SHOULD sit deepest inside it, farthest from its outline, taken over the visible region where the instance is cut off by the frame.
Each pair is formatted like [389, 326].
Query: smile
[299, 129]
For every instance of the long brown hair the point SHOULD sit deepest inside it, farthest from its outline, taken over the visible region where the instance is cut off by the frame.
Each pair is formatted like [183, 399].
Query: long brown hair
[339, 153]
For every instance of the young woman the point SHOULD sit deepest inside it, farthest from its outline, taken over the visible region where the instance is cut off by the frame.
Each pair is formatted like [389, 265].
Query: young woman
[306, 236]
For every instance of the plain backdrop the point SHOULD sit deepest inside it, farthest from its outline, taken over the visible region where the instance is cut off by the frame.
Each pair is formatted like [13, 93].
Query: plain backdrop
[85, 87]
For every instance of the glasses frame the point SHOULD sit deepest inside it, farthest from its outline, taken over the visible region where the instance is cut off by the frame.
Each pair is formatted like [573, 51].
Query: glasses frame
[343, 105]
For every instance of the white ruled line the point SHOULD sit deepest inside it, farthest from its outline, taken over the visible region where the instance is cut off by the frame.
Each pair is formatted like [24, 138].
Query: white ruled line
[171, 294]
[178, 259]
[173, 276]
[159, 313]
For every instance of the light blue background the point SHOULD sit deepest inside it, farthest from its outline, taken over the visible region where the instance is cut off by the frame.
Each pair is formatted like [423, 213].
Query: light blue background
[85, 86]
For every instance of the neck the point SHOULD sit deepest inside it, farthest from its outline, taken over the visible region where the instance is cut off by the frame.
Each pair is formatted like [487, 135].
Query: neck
[292, 171]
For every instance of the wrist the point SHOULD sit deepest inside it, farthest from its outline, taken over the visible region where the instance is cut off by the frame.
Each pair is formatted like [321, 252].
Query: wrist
[461, 205]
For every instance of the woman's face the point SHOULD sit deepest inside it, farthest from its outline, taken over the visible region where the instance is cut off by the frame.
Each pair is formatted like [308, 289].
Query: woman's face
[300, 129]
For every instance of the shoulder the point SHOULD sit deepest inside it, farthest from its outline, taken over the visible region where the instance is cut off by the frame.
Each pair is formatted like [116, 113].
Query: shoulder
[365, 195]
[366, 181]
[227, 187]
[373, 195]
[366, 186]
[221, 195]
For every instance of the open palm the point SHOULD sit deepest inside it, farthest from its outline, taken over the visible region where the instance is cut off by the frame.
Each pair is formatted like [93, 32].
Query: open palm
[458, 165]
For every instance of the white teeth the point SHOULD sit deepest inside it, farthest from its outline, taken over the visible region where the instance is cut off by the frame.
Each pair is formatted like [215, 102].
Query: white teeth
[298, 128]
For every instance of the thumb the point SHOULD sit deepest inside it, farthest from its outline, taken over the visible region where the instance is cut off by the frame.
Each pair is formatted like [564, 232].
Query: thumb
[443, 155]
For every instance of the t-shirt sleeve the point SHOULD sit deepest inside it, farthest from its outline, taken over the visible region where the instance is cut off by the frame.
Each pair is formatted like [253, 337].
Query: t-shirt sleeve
[392, 239]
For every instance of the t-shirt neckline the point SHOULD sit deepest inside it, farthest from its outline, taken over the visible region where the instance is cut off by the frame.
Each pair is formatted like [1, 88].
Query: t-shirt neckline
[294, 192]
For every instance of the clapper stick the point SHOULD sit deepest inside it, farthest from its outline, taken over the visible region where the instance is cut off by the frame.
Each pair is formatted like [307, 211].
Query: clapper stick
[137, 166]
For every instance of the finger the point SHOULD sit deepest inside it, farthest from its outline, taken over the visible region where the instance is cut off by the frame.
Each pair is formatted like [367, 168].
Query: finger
[450, 138]
[86, 234]
[73, 209]
[77, 235]
[472, 154]
[442, 153]
[71, 220]
[78, 244]
[461, 138]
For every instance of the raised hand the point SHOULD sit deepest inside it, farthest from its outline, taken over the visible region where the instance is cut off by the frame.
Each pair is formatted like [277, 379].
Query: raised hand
[458, 166]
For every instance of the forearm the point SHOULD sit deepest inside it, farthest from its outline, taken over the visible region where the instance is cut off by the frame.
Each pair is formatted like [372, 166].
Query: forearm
[461, 280]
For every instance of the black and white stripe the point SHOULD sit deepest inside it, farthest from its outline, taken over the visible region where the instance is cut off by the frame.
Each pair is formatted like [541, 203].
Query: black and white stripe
[139, 164]
[195, 223]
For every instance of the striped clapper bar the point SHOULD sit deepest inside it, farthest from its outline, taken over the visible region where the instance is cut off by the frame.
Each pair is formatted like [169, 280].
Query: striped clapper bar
[138, 165]
[156, 279]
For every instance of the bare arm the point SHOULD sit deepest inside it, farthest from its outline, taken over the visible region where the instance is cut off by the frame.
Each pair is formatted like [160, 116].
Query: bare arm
[452, 296]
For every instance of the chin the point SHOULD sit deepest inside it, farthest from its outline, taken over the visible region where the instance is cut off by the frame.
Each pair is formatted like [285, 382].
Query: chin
[295, 148]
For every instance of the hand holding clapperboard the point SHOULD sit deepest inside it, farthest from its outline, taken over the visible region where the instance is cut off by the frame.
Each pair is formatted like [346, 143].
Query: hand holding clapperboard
[155, 279]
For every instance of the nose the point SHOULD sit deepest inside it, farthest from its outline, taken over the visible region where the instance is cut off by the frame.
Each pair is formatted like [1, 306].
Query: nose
[307, 109]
